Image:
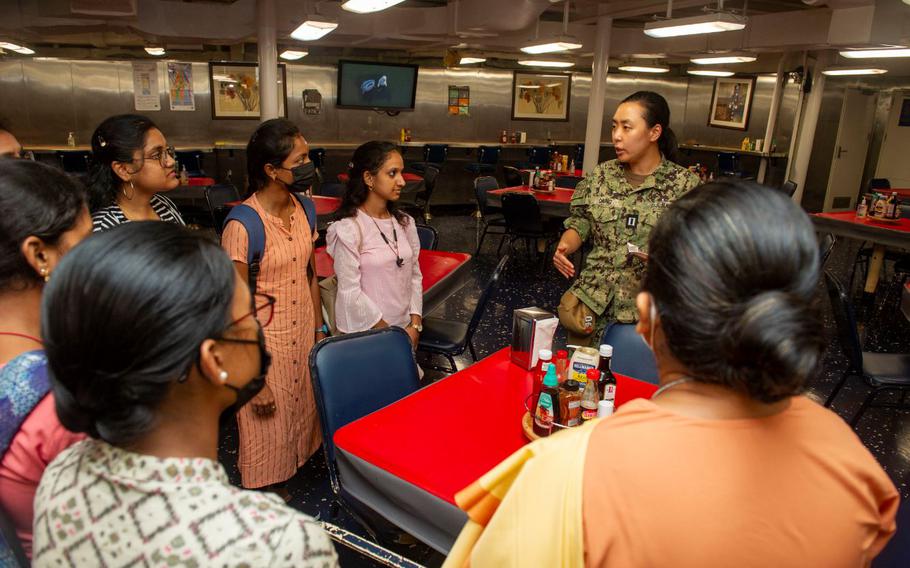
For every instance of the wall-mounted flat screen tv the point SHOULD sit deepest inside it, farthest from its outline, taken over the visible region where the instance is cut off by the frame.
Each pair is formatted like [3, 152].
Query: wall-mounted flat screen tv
[385, 86]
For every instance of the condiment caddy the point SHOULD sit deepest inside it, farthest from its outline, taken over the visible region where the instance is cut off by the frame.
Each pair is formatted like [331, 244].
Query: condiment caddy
[879, 207]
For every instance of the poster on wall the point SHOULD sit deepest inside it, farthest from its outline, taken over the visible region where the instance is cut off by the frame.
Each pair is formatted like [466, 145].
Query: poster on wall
[235, 90]
[145, 86]
[732, 102]
[180, 86]
[312, 101]
[541, 96]
[459, 100]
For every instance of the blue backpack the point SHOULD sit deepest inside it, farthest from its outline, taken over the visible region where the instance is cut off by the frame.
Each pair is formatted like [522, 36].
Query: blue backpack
[255, 230]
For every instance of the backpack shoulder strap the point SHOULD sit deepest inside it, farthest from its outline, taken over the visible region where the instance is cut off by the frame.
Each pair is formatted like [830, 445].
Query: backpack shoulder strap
[255, 230]
[309, 207]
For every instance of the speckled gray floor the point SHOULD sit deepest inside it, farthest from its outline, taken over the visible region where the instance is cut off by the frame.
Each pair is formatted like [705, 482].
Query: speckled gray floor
[886, 432]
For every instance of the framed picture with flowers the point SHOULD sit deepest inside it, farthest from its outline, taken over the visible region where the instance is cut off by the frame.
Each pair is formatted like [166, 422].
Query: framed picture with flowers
[235, 90]
[731, 104]
[541, 96]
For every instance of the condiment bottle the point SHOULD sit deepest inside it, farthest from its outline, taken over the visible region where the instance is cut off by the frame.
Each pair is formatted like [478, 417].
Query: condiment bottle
[570, 403]
[861, 208]
[583, 359]
[562, 365]
[589, 397]
[544, 362]
[604, 408]
[546, 412]
[606, 386]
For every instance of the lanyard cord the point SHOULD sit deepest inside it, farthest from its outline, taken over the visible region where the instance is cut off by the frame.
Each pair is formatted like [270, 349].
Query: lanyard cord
[398, 260]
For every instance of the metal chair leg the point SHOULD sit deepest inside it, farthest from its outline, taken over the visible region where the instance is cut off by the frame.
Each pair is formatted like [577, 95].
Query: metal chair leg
[471, 348]
[482, 237]
[866, 403]
[837, 388]
[452, 362]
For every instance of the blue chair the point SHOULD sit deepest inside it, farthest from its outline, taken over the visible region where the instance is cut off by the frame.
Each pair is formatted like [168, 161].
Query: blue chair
[879, 183]
[487, 158]
[354, 375]
[579, 156]
[428, 236]
[728, 165]
[317, 156]
[538, 156]
[331, 189]
[74, 161]
[512, 176]
[217, 198]
[631, 357]
[488, 218]
[442, 336]
[433, 155]
[192, 161]
[568, 182]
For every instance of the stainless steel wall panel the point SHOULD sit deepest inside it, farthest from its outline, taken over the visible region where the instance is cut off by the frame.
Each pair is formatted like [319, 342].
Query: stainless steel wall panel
[49, 107]
[97, 94]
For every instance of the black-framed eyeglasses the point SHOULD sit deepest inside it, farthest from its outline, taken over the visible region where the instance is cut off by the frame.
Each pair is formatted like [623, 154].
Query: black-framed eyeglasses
[263, 310]
[162, 154]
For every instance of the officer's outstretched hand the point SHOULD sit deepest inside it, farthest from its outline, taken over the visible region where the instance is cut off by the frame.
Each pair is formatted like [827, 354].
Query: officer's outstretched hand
[561, 261]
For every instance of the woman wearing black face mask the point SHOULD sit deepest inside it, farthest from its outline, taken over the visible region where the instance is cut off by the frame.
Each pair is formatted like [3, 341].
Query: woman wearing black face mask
[279, 431]
[146, 369]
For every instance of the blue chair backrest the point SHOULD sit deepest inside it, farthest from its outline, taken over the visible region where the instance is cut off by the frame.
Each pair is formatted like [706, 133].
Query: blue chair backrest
[489, 154]
[568, 182]
[579, 155]
[192, 161]
[73, 161]
[427, 236]
[317, 156]
[727, 162]
[631, 357]
[539, 155]
[331, 189]
[513, 176]
[435, 153]
[522, 213]
[359, 373]
[845, 322]
[488, 291]
[482, 185]
[879, 183]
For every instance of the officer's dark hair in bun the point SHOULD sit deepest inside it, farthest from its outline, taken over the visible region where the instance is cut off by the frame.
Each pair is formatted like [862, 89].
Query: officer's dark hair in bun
[733, 268]
[123, 318]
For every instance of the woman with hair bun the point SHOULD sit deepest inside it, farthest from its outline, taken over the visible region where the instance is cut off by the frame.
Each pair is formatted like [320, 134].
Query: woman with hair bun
[616, 205]
[728, 463]
[147, 369]
[132, 165]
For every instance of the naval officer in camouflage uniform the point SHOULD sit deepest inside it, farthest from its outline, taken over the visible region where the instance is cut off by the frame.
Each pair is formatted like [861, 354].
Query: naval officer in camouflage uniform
[616, 205]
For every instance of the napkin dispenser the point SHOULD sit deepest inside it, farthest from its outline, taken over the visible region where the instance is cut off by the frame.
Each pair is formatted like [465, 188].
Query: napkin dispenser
[532, 330]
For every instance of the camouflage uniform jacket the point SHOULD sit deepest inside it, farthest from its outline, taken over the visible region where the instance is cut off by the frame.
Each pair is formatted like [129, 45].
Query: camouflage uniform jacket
[610, 212]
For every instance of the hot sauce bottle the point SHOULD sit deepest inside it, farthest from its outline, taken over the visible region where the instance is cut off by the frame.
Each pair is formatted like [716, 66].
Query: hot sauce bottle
[547, 409]
[589, 398]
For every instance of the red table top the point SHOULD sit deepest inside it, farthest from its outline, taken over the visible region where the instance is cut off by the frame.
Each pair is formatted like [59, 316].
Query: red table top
[575, 172]
[200, 181]
[446, 435]
[903, 193]
[850, 217]
[435, 265]
[408, 177]
[559, 195]
[326, 205]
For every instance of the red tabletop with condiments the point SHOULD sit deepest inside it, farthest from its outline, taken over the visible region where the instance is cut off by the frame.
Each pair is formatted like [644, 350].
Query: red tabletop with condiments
[408, 177]
[552, 203]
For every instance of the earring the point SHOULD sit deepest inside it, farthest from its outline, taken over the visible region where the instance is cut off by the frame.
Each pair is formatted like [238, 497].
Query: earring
[130, 197]
[223, 376]
[44, 273]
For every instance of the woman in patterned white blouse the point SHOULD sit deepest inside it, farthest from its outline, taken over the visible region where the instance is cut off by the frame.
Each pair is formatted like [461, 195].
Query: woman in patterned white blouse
[132, 166]
[146, 369]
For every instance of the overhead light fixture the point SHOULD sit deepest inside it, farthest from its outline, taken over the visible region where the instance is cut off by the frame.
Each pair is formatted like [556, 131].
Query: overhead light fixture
[563, 43]
[545, 63]
[704, 24]
[470, 60]
[20, 49]
[293, 54]
[710, 73]
[847, 71]
[313, 29]
[875, 53]
[635, 68]
[367, 6]
[156, 51]
[720, 59]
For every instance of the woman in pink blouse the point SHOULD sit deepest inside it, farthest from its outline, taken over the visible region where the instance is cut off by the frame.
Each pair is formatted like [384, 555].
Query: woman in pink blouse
[375, 247]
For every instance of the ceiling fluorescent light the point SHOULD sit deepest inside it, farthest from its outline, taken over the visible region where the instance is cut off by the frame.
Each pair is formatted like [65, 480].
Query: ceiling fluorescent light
[710, 72]
[552, 45]
[313, 29]
[722, 59]
[156, 51]
[846, 71]
[16, 47]
[875, 53]
[293, 55]
[470, 60]
[542, 63]
[705, 24]
[25, 51]
[644, 68]
[367, 6]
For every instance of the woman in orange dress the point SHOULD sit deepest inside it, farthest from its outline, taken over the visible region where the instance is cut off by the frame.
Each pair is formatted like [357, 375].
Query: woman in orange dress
[279, 429]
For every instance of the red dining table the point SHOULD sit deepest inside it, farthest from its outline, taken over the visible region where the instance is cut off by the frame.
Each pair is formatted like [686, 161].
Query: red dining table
[443, 273]
[552, 203]
[576, 172]
[880, 233]
[408, 460]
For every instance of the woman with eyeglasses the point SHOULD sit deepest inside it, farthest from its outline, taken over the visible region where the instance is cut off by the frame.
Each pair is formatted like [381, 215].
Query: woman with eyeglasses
[132, 166]
[147, 369]
[280, 429]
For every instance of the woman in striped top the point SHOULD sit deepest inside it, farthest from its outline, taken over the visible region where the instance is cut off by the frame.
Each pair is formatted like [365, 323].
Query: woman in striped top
[279, 429]
[132, 166]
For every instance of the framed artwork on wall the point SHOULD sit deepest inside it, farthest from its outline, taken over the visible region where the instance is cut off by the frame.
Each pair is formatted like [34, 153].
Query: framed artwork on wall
[732, 102]
[235, 90]
[541, 96]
